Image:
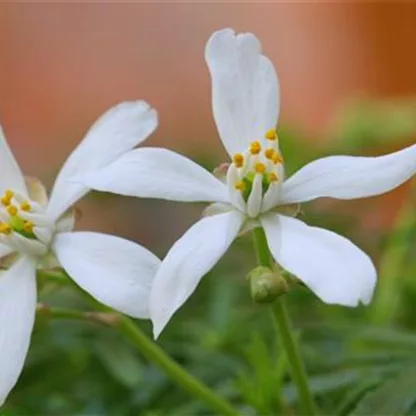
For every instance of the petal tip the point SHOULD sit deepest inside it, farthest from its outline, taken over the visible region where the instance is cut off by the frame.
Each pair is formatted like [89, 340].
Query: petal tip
[157, 330]
[227, 39]
[367, 297]
[221, 33]
[140, 106]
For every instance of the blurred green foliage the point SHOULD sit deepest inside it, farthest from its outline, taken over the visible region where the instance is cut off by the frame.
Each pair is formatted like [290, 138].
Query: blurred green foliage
[361, 361]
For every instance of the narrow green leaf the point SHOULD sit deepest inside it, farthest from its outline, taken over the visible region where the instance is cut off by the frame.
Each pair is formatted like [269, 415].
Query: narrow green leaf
[394, 397]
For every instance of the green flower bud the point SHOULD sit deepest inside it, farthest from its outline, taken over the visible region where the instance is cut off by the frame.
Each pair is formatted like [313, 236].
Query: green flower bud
[266, 285]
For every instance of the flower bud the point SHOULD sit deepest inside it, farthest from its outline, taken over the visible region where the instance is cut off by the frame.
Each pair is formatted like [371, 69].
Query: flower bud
[266, 285]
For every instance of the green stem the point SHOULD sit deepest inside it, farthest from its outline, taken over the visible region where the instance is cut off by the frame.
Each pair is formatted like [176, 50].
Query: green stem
[60, 313]
[281, 318]
[189, 383]
[146, 347]
[106, 318]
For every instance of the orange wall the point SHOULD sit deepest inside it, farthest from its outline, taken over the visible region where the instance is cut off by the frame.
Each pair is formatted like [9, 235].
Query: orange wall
[63, 64]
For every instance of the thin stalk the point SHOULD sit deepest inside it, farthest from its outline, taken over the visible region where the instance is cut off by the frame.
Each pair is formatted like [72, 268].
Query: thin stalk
[146, 347]
[188, 382]
[60, 313]
[282, 321]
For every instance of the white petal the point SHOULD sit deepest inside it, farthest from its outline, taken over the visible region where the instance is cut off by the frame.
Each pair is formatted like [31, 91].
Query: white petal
[115, 271]
[17, 314]
[66, 222]
[37, 191]
[113, 134]
[255, 197]
[271, 197]
[335, 269]
[157, 173]
[11, 176]
[216, 208]
[348, 177]
[43, 234]
[5, 250]
[190, 258]
[30, 247]
[245, 89]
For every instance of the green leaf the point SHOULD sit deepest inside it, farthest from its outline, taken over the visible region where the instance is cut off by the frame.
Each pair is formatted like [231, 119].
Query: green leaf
[323, 384]
[121, 362]
[394, 397]
[387, 337]
[369, 122]
[352, 397]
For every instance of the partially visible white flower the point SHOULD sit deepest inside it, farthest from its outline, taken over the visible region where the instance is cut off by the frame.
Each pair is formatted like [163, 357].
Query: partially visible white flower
[245, 103]
[115, 271]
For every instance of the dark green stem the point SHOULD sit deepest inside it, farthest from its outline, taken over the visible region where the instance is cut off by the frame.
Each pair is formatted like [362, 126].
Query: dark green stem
[143, 344]
[156, 355]
[281, 318]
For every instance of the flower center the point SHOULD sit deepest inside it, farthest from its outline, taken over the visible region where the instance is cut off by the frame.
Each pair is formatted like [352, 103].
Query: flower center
[10, 217]
[255, 176]
[23, 224]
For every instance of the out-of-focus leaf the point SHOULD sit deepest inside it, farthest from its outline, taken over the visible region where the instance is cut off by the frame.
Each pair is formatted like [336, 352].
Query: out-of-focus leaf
[261, 385]
[323, 384]
[386, 337]
[387, 300]
[365, 122]
[394, 397]
[352, 397]
[121, 362]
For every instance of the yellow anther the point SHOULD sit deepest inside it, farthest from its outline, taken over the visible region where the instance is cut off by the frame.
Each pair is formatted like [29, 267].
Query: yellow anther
[255, 148]
[269, 153]
[273, 177]
[260, 167]
[238, 160]
[9, 194]
[28, 226]
[277, 158]
[240, 186]
[271, 135]
[5, 228]
[25, 206]
[12, 210]
[5, 201]
[7, 198]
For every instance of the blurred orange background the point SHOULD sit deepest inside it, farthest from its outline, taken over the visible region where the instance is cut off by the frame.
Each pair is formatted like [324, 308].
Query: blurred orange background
[64, 64]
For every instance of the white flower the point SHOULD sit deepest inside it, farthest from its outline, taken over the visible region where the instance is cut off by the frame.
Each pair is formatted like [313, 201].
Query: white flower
[115, 271]
[245, 105]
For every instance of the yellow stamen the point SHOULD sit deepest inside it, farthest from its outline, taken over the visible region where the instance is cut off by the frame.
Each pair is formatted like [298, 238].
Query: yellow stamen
[7, 198]
[12, 210]
[240, 186]
[260, 167]
[9, 194]
[28, 226]
[5, 201]
[269, 153]
[273, 177]
[238, 160]
[5, 228]
[25, 206]
[271, 135]
[255, 148]
[277, 158]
